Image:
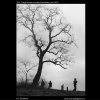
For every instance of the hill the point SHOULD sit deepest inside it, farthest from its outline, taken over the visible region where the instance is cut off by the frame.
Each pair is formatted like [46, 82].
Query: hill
[48, 92]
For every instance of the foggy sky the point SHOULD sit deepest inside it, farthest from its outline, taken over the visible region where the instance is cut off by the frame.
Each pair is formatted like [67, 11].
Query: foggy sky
[75, 15]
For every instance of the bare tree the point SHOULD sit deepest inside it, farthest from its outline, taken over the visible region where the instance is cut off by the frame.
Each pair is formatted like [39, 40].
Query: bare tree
[27, 67]
[55, 46]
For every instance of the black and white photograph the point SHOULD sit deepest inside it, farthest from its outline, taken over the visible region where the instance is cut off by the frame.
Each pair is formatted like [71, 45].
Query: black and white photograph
[50, 50]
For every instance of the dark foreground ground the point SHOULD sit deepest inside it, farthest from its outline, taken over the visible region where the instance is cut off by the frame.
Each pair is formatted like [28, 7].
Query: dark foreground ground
[47, 92]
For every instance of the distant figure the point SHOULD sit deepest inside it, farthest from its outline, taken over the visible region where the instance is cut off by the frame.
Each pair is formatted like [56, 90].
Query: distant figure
[42, 84]
[67, 88]
[75, 84]
[62, 87]
[50, 85]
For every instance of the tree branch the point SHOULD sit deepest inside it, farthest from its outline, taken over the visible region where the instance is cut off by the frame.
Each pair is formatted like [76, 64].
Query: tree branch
[62, 41]
[63, 29]
[25, 24]
[55, 63]
[30, 68]
[38, 53]
[50, 42]
[25, 38]
[33, 11]
[53, 52]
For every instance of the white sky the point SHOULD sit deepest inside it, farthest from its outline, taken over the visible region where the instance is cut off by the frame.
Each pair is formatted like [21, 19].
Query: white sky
[75, 15]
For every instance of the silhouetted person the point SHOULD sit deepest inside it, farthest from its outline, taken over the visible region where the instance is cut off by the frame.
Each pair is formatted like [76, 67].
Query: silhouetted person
[67, 88]
[42, 84]
[62, 87]
[75, 84]
[50, 85]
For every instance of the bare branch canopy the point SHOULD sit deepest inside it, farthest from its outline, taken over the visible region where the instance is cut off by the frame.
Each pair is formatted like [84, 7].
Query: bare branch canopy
[56, 38]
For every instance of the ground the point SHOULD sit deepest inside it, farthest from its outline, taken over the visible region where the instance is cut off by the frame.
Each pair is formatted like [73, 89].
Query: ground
[47, 92]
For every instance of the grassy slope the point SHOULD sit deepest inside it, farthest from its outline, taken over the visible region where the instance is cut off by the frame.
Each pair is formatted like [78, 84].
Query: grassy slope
[47, 92]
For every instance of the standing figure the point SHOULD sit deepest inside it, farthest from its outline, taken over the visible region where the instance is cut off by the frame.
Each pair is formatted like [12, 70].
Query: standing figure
[67, 88]
[42, 84]
[75, 84]
[50, 85]
[62, 87]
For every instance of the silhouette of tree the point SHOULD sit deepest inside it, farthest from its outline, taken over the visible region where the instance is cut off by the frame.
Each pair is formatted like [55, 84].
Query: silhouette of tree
[41, 19]
[27, 68]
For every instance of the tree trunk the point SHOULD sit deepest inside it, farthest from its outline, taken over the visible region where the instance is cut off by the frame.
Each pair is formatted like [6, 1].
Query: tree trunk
[26, 79]
[38, 74]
